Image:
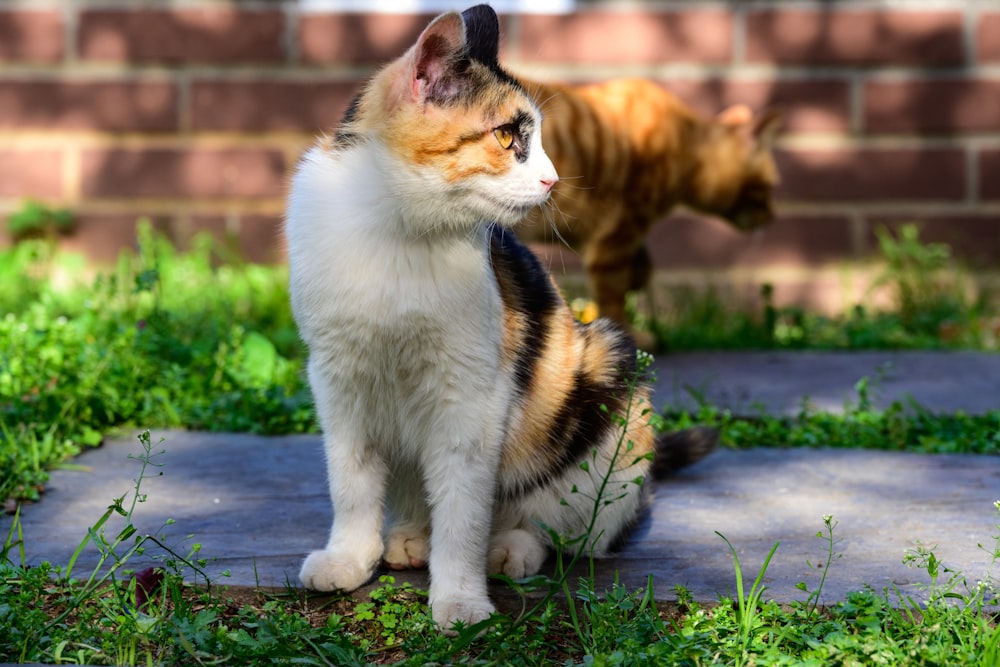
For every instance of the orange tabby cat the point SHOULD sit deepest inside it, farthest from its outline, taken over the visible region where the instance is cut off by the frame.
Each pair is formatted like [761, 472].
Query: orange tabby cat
[627, 151]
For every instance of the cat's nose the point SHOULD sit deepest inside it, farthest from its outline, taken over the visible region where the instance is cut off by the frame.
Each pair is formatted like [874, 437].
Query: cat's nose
[548, 176]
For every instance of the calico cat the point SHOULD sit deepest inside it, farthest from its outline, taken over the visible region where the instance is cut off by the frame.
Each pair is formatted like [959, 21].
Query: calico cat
[460, 400]
[628, 151]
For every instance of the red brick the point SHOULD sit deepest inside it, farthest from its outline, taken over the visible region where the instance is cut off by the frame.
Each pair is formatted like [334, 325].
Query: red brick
[182, 35]
[686, 242]
[256, 238]
[988, 38]
[989, 174]
[871, 174]
[262, 238]
[32, 36]
[807, 106]
[557, 258]
[166, 172]
[260, 106]
[31, 173]
[102, 237]
[855, 37]
[816, 293]
[83, 105]
[973, 239]
[936, 106]
[358, 38]
[636, 37]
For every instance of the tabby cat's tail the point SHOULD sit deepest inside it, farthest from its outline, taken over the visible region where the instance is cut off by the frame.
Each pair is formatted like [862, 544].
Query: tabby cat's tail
[678, 449]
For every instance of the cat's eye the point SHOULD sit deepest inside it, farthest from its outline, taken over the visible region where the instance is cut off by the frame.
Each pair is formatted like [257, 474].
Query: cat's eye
[505, 136]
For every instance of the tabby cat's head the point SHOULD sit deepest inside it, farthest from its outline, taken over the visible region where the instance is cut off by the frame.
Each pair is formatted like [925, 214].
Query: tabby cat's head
[735, 173]
[459, 138]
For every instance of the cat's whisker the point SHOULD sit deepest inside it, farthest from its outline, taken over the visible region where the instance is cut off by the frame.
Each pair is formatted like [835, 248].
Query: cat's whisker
[552, 207]
[568, 183]
[543, 103]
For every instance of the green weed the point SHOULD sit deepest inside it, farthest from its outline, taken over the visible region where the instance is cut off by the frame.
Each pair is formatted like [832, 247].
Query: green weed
[165, 338]
[747, 603]
[902, 426]
[812, 601]
[35, 219]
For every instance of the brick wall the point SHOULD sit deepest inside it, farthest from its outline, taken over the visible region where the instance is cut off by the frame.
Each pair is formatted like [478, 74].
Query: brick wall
[192, 113]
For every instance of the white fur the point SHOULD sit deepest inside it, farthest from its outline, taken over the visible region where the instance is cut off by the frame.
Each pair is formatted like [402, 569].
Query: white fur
[393, 293]
[567, 506]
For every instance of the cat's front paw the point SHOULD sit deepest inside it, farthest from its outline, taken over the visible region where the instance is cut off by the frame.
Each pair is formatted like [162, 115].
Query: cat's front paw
[407, 547]
[516, 554]
[447, 612]
[334, 571]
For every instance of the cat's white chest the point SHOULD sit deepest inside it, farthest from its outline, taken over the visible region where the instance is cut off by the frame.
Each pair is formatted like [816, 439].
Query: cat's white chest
[351, 255]
[391, 318]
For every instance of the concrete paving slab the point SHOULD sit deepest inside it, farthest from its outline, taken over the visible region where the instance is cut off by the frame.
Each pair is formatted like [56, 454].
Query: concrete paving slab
[257, 505]
[779, 382]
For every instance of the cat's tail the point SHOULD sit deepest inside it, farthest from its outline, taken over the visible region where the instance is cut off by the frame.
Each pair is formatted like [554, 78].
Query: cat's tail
[678, 449]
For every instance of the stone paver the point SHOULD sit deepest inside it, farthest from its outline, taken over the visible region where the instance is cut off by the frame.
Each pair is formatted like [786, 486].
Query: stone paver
[257, 505]
[780, 381]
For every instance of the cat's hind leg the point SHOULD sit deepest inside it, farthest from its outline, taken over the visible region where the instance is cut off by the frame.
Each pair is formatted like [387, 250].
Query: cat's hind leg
[407, 546]
[516, 553]
[408, 532]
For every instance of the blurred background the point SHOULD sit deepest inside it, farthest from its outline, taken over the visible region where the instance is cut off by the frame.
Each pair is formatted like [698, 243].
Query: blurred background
[192, 114]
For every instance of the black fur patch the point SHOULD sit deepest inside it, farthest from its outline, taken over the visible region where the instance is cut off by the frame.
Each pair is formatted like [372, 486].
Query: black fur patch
[482, 34]
[525, 288]
[482, 41]
[343, 136]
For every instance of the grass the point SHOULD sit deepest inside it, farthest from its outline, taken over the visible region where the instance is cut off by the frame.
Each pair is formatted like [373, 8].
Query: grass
[902, 426]
[164, 339]
[202, 340]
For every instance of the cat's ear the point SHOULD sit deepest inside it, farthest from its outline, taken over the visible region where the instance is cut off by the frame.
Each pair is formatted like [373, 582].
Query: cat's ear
[766, 126]
[735, 116]
[482, 31]
[436, 60]
[759, 132]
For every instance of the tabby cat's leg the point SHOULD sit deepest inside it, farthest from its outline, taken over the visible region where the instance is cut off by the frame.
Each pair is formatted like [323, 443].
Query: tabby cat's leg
[357, 485]
[609, 257]
[614, 266]
[641, 269]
